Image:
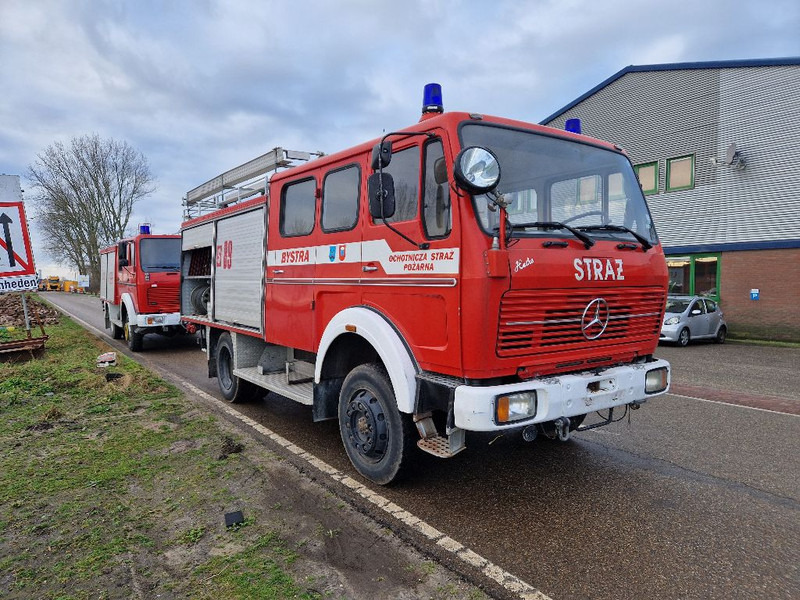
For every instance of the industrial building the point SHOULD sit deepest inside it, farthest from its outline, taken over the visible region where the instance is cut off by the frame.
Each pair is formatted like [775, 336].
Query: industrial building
[716, 146]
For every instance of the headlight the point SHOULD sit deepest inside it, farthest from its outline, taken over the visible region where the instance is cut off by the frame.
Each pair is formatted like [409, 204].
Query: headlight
[672, 321]
[154, 320]
[656, 380]
[515, 407]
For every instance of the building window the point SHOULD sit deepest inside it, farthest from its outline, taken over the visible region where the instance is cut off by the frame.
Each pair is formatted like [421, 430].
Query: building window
[680, 173]
[648, 177]
[694, 275]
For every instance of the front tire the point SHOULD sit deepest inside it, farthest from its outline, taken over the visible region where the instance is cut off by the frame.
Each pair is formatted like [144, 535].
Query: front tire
[233, 389]
[134, 338]
[377, 437]
[683, 337]
[721, 335]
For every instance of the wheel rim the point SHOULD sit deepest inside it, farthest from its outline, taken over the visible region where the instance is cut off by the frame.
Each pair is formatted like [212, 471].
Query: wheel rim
[367, 429]
[684, 339]
[126, 331]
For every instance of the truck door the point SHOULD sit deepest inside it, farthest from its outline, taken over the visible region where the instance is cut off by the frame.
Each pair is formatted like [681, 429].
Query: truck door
[415, 285]
[291, 263]
[338, 268]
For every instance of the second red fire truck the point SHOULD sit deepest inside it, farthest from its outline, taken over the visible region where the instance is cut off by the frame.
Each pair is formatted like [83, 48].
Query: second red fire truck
[140, 287]
[467, 273]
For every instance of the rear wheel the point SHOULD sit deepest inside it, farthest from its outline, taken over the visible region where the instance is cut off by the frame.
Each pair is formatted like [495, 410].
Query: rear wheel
[684, 337]
[233, 388]
[377, 437]
[133, 337]
[722, 333]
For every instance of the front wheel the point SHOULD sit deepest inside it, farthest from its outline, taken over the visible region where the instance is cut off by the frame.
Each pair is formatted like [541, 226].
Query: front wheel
[684, 337]
[233, 388]
[721, 335]
[133, 337]
[377, 437]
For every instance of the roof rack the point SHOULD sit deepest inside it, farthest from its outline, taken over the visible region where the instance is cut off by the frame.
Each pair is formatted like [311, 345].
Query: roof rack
[241, 182]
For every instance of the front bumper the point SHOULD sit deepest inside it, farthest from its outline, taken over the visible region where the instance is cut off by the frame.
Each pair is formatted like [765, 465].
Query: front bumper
[558, 396]
[670, 333]
[158, 320]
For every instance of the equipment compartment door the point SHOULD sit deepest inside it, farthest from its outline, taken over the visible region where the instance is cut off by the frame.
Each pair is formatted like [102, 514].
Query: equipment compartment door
[239, 269]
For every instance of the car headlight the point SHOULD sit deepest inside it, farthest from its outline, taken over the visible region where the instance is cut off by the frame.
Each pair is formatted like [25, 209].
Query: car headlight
[672, 321]
[515, 407]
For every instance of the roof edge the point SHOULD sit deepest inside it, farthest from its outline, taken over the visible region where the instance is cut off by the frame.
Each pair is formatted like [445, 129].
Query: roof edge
[714, 64]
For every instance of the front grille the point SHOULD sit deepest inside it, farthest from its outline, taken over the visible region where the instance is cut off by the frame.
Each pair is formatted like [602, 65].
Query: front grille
[540, 320]
[167, 299]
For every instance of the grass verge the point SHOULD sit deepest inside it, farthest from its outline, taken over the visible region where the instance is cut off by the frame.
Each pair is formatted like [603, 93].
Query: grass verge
[113, 486]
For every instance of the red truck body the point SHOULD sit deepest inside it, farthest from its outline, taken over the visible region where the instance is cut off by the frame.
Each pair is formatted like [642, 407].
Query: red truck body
[140, 287]
[524, 305]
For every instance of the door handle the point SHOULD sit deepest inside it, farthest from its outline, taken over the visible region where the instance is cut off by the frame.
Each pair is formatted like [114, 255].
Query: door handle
[369, 268]
[278, 272]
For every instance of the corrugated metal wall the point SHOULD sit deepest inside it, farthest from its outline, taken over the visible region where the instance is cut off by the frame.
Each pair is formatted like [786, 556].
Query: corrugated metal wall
[657, 115]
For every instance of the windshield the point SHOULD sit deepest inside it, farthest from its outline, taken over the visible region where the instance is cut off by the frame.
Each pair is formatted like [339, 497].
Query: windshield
[547, 179]
[160, 254]
[676, 306]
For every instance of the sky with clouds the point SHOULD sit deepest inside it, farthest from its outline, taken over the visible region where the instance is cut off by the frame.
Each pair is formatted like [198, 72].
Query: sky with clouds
[201, 86]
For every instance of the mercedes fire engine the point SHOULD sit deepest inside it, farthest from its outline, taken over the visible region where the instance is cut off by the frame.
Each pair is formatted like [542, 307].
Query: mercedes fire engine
[140, 287]
[466, 274]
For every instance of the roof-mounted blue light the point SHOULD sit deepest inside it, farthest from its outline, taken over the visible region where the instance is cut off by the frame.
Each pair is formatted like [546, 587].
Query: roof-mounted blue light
[432, 99]
[144, 229]
[573, 125]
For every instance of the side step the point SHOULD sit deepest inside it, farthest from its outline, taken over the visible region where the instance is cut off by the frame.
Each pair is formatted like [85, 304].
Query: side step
[434, 443]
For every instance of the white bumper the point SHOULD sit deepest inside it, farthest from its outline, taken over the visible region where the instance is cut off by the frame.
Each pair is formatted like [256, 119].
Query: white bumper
[557, 396]
[158, 320]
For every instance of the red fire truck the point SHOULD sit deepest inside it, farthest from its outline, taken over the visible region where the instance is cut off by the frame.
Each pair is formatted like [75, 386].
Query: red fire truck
[468, 273]
[140, 286]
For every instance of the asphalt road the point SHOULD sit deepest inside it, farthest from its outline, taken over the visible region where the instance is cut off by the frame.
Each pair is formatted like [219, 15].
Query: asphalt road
[697, 496]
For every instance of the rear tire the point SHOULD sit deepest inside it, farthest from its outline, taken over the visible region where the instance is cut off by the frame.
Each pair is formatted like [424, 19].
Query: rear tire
[378, 438]
[683, 337]
[233, 389]
[721, 335]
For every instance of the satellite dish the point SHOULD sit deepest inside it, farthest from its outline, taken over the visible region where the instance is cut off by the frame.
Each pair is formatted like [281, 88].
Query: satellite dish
[731, 154]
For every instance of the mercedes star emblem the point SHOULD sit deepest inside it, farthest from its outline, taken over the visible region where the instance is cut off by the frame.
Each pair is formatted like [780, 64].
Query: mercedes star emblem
[595, 319]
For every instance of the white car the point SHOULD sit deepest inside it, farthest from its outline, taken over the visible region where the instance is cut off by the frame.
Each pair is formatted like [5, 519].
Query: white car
[693, 318]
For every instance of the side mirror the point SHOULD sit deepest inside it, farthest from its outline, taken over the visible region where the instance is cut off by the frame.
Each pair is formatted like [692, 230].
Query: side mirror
[380, 187]
[440, 171]
[696, 312]
[381, 155]
[122, 251]
[477, 170]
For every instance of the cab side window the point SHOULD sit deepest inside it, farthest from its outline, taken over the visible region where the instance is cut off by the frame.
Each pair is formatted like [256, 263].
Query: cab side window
[404, 169]
[298, 207]
[436, 214]
[340, 195]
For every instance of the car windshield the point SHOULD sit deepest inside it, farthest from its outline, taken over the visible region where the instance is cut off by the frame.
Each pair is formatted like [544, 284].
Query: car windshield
[676, 305]
[548, 179]
[160, 254]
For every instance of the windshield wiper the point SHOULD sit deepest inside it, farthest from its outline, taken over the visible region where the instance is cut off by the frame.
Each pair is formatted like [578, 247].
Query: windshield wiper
[587, 241]
[646, 245]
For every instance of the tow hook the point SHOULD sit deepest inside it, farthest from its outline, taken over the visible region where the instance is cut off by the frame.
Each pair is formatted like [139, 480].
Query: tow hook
[562, 428]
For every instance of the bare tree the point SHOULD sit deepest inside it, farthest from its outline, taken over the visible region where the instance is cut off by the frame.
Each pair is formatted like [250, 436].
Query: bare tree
[86, 194]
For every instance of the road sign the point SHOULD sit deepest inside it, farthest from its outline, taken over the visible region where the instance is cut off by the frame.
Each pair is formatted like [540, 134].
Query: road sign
[17, 269]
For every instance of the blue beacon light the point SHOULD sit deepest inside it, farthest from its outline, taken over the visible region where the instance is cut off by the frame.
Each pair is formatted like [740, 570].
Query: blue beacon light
[432, 99]
[573, 125]
[144, 229]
